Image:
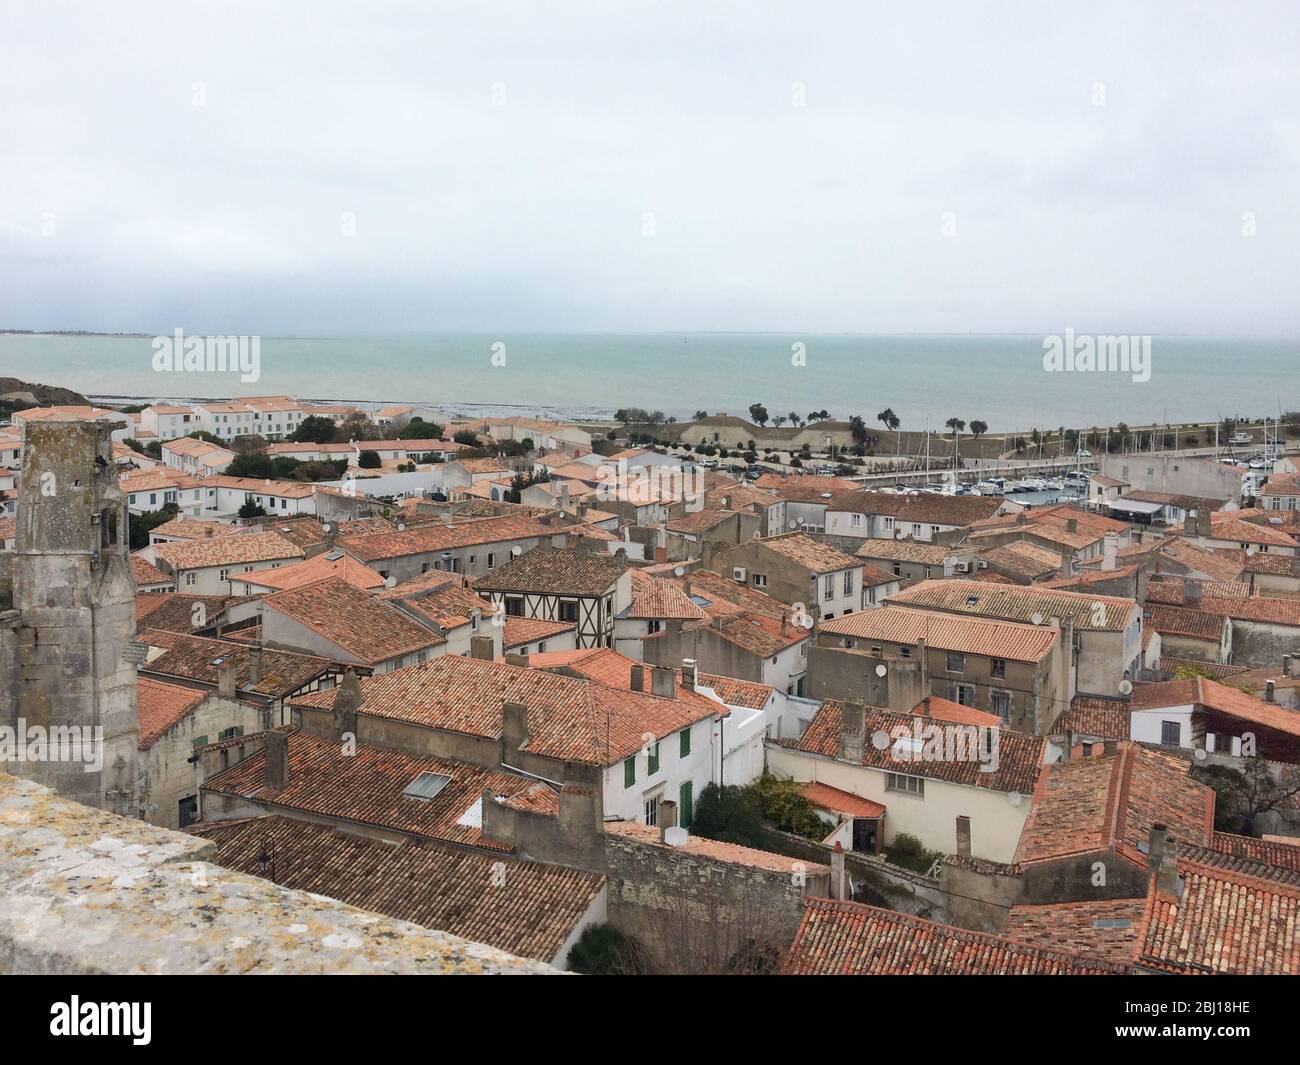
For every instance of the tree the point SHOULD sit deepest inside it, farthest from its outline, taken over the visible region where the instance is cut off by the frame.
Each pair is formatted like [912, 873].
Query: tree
[859, 430]
[315, 429]
[891, 421]
[700, 415]
[729, 814]
[818, 415]
[779, 420]
[956, 425]
[602, 950]
[252, 510]
[466, 437]
[419, 429]
[204, 435]
[370, 460]
[758, 414]
[978, 428]
[254, 464]
[1243, 794]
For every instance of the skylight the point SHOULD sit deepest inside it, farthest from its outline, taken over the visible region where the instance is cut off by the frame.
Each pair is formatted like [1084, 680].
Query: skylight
[426, 785]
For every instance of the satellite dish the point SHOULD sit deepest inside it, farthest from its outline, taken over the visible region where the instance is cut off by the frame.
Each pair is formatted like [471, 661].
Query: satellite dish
[880, 740]
[390, 581]
[327, 527]
[881, 669]
[1037, 619]
[679, 571]
[401, 526]
[807, 621]
[1125, 687]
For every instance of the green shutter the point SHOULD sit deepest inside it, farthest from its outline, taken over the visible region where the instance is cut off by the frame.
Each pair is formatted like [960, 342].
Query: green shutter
[686, 742]
[200, 741]
[654, 759]
[629, 772]
[685, 808]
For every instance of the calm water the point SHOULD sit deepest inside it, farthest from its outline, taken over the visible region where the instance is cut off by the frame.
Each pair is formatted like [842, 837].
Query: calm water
[999, 379]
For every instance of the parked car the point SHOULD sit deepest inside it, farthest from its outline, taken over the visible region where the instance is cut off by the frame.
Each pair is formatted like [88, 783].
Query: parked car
[1083, 454]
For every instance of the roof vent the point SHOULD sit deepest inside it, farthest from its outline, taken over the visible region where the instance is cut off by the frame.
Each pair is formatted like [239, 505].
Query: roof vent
[333, 556]
[972, 600]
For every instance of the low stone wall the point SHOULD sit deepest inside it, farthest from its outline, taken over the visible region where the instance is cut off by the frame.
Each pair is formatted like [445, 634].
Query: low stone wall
[88, 892]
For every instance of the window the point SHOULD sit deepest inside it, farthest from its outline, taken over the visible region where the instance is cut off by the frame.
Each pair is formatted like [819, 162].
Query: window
[998, 667]
[190, 579]
[1171, 733]
[686, 742]
[828, 586]
[963, 694]
[568, 610]
[224, 575]
[200, 741]
[230, 733]
[760, 580]
[855, 520]
[652, 811]
[492, 559]
[1000, 703]
[652, 760]
[426, 785]
[629, 771]
[514, 606]
[188, 811]
[848, 582]
[907, 785]
[956, 662]
[653, 625]
[686, 804]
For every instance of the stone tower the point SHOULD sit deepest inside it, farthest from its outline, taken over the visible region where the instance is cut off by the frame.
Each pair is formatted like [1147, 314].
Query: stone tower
[73, 616]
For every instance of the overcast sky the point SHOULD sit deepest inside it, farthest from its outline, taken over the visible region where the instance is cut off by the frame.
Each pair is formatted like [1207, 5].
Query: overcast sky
[1000, 167]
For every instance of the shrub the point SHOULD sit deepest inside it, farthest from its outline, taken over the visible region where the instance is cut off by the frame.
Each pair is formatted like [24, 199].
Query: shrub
[602, 950]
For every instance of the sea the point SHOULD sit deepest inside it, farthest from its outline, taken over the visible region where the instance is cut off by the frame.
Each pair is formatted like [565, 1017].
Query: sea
[924, 379]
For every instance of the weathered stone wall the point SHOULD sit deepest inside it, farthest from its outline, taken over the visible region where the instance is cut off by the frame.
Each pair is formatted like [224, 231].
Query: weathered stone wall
[87, 892]
[692, 913]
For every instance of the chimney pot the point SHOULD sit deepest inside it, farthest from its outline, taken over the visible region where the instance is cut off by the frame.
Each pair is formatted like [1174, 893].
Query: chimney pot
[254, 665]
[688, 674]
[1156, 846]
[1270, 691]
[226, 679]
[638, 678]
[663, 682]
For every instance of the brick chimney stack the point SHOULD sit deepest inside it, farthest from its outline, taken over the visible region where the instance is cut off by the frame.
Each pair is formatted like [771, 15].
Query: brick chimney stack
[664, 682]
[226, 679]
[277, 760]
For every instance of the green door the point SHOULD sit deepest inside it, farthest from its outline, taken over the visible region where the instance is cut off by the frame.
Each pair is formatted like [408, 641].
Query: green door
[685, 808]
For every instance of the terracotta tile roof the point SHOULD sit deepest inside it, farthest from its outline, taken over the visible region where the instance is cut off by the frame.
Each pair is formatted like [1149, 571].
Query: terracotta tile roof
[1094, 715]
[1108, 929]
[733, 692]
[368, 628]
[482, 466]
[182, 528]
[731, 853]
[809, 553]
[1214, 564]
[1222, 698]
[1023, 559]
[435, 536]
[569, 719]
[304, 531]
[174, 611]
[1223, 922]
[1257, 608]
[1019, 603]
[160, 706]
[906, 550]
[608, 667]
[946, 710]
[263, 486]
[316, 568]
[1282, 484]
[199, 449]
[366, 788]
[968, 635]
[653, 597]
[448, 607]
[852, 939]
[1020, 756]
[925, 508]
[527, 908]
[1275, 565]
[156, 480]
[1255, 852]
[555, 571]
[715, 593]
[1194, 624]
[1225, 525]
[841, 802]
[226, 551]
[145, 574]
[192, 658]
[759, 634]
[1214, 670]
[1101, 802]
[698, 521]
[1172, 591]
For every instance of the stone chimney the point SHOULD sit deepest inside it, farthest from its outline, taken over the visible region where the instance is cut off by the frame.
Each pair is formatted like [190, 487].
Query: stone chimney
[514, 659]
[1167, 882]
[839, 874]
[663, 682]
[1156, 847]
[1109, 551]
[688, 674]
[277, 760]
[1270, 691]
[963, 836]
[254, 665]
[1021, 519]
[1192, 593]
[638, 678]
[346, 703]
[667, 818]
[514, 727]
[1067, 563]
[226, 679]
[1072, 525]
[207, 532]
[852, 739]
[482, 647]
[925, 707]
